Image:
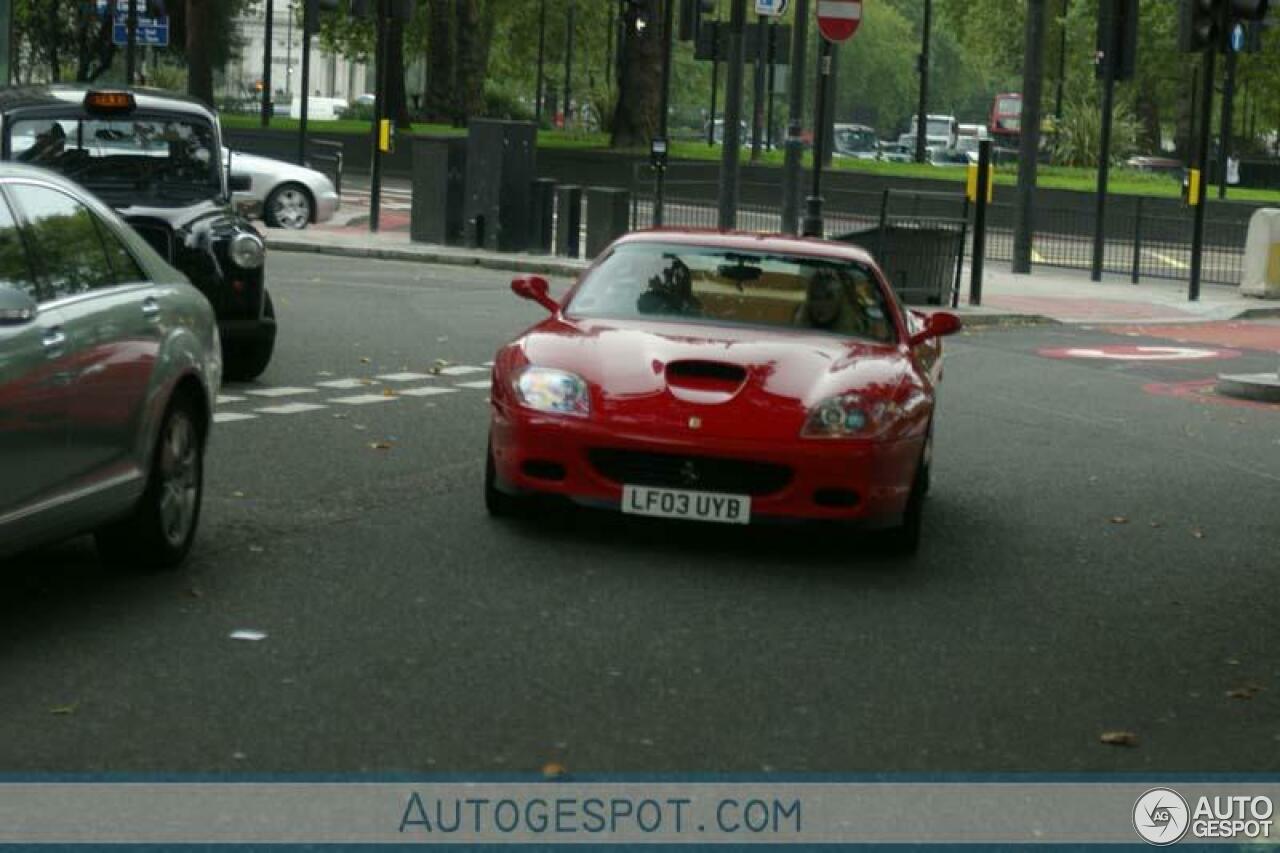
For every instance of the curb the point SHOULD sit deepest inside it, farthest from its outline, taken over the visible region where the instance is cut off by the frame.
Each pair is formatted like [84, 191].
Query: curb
[548, 266]
[1257, 313]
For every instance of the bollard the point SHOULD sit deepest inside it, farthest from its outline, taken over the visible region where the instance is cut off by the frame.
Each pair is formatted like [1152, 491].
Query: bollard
[542, 215]
[608, 217]
[439, 171]
[568, 220]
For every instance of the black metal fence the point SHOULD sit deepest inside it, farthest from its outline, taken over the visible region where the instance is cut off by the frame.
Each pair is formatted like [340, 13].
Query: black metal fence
[1153, 245]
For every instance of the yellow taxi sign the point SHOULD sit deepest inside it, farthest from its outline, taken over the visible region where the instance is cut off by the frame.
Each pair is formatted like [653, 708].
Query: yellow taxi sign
[971, 183]
[384, 135]
[109, 102]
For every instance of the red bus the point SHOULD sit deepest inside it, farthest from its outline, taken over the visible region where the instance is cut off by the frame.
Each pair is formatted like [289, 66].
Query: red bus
[1006, 118]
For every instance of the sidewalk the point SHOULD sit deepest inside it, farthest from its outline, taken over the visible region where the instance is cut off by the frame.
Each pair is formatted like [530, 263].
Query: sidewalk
[1049, 295]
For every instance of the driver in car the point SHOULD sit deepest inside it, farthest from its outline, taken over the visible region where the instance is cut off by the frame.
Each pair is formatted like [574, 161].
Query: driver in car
[670, 292]
[48, 146]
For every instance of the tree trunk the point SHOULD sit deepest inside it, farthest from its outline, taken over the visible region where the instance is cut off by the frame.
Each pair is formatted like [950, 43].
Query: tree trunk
[1148, 115]
[397, 104]
[635, 122]
[440, 61]
[199, 58]
[474, 35]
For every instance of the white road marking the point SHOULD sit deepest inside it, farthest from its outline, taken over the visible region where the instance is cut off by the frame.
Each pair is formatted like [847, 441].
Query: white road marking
[343, 384]
[227, 398]
[289, 409]
[483, 386]
[362, 399]
[231, 417]
[1173, 262]
[404, 377]
[461, 370]
[279, 392]
[426, 392]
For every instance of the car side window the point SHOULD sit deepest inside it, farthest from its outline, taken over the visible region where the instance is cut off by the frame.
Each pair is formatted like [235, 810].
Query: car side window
[15, 265]
[65, 240]
[126, 269]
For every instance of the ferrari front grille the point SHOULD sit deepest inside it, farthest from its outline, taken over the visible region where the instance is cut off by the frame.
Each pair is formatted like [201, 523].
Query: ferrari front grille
[694, 473]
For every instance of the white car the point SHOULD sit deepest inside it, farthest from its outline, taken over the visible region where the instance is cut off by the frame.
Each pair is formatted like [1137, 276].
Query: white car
[289, 196]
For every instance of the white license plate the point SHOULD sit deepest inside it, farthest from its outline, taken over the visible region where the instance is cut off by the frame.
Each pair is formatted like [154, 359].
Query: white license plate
[678, 503]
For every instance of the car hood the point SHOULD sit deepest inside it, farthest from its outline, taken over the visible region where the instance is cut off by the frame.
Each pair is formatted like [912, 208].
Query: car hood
[736, 382]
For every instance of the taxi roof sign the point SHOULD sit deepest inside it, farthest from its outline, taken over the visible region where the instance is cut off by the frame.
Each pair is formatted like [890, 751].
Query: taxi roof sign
[109, 102]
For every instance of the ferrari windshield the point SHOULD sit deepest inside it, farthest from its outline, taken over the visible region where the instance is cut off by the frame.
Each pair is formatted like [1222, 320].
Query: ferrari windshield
[157, 161]
[709, 285]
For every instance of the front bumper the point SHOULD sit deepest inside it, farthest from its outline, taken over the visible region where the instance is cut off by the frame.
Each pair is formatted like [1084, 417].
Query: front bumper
[327, 204]
[528, 447]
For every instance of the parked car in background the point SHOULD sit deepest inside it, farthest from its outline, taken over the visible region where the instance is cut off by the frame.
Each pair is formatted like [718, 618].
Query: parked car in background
[949, 157]
[896, 152]
[289, 196]
[941, 131]
[318, 109]
[155, 158]
[1157, 165]
[109, 371]
[856, 140]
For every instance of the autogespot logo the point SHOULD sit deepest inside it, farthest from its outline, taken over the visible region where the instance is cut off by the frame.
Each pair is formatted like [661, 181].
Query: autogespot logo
[1161, 816]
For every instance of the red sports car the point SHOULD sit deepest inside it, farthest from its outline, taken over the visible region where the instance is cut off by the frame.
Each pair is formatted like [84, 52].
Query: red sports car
[725, 378]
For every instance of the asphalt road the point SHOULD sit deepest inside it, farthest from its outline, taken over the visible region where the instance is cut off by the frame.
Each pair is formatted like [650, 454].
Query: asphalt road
[1097, 558]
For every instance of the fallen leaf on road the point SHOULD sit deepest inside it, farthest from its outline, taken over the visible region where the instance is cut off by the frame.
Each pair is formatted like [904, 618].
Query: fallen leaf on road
[195, 592]
[366, 381]
[360, 427]
[323, 373]
[379, 445]
[1119, 519]
[340, 417]
[256, 549]
[248, 634]
[388, 392]
[239, 756]
[1232, 662]
[63, 710]
[1248, 691]
[237, 494]
[1119, 738]
[442, 339]
[364, 359]
[554, 770]
[1198, 533]
[1156, 524]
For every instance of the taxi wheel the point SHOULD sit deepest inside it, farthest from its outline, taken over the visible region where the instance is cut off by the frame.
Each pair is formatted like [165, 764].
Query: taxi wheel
[159, 532]
[498, 503]
[247, 360]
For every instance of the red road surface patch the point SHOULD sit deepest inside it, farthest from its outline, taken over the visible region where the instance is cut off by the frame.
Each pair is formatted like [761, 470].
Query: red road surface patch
[1256, 335]
[1202, 391]
[1144, 354]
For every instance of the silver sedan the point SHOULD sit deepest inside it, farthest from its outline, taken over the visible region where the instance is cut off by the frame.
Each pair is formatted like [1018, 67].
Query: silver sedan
[109, 370]
[289, 196]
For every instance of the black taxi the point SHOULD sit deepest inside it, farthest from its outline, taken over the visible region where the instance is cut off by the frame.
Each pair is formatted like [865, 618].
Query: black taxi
[157, 159]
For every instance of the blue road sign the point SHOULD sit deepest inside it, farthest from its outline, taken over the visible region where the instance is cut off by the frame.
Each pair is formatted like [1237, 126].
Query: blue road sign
[153, 32]
[1237, 38]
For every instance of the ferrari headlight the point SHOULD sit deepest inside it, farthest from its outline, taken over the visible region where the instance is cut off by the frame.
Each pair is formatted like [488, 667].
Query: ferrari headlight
[849, 416]
[555, 391]
[246, 251]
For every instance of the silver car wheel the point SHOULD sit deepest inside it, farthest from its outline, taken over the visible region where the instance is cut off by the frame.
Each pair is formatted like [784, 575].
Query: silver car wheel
[290, 208]
[179, 479]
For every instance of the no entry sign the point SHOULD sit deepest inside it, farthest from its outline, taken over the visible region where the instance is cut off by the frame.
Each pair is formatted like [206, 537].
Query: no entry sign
[838, 19]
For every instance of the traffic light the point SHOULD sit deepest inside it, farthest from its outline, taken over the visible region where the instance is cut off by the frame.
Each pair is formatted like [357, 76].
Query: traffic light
[1117, 38]
[691, 12]
[1204, 24]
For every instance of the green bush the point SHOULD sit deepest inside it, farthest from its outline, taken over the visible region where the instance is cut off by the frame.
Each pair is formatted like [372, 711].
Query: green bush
[1078, 138]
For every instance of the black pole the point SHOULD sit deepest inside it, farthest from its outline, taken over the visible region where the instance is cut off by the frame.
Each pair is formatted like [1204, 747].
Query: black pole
[773, 69]
[1062, 64]
[922, 110]
[266, 66]
[757, 103]
[715, 79]
[660, 164]
[980, 223]
[309, 9]
[1195, 111]
[131, 41]
[730, 155]
[542, 52]
[1029, 144]
[792, 172]
[1202, 159]
[813, 205]
[829, 125]
[1104, 156]
[379, 106]
[1224, 132]
[568, 60]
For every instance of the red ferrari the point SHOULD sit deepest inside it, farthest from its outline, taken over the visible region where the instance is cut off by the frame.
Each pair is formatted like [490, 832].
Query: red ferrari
[724, 378]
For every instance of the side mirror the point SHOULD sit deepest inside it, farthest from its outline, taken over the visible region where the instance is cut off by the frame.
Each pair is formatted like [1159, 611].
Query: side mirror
[936, 325]
[240, 183]
[535, 289]
[16, 307]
